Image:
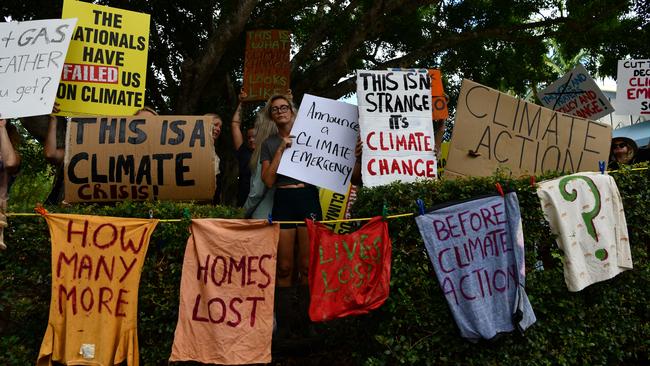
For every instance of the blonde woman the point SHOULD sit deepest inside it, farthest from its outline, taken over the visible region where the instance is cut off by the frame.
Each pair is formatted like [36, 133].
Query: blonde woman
[259, 202]
[294, 200]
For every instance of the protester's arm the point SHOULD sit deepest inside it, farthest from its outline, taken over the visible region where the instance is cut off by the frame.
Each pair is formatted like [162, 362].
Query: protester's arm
[52, 154]
[10, 157]
[270, 167]
[439, 127]
[235, 124]
[356, 172]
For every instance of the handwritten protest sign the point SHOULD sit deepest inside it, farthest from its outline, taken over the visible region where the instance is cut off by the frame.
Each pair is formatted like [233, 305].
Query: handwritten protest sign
[266, 63]
[106, 67]
[396, 127]
[138, 158]
[96, 267]
[438, 98]
[227, 289]
[477, 251]
[31, 59]
[577, 94]
[323, 150]
[494, 130]
[633, 87]
[349, 274]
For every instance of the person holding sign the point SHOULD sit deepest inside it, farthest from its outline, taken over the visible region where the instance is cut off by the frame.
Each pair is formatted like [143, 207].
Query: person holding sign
[293, 201]
[9, 164]
[259, 203]
[243, 151]
[217, 123]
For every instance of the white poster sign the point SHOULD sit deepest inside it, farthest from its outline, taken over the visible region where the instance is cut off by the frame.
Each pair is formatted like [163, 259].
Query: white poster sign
[576, 94]
[396, 126]
[325, 135]
[633, 87]
[31, 59]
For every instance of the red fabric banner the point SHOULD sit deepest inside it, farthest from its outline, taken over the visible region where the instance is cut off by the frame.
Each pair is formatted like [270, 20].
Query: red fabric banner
[349, 274]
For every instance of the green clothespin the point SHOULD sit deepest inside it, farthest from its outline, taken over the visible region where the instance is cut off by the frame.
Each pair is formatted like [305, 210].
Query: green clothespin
[384, 211]
[186, 213]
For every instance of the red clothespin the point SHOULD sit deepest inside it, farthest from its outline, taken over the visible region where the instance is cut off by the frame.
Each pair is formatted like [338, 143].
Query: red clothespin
[499, 189]
[40, 209]
[532, 181]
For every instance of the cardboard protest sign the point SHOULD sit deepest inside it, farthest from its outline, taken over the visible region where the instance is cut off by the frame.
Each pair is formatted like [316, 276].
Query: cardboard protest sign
[105, 70]
[495, 130]
[477, 251]
[322, 152]
[31, 58]
[348, 274]
[96, 267]
[227, 289]
[139, 158]
[577, 94]
[438, 98]
[336, 206]
[266, 63]
[633, 87]
[396, 127]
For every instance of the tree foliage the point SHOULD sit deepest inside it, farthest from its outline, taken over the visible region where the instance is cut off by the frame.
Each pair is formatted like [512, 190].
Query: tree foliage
[197, 47]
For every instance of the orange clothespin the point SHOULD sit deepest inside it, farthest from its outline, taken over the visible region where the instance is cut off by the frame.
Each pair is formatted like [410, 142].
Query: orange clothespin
[499, 189]
[40, 209]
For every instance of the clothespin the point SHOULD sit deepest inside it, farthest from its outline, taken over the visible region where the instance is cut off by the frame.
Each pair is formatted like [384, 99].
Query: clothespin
[532, 181]
[601, 166]
[40, 209]
[270, 218]
[384, 210]
[499, 189]
[420, 204]
[150, 214]
[186, 213]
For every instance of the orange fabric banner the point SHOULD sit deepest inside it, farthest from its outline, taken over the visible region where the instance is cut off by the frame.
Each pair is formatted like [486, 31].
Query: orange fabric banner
[96, 267]
[227, 287]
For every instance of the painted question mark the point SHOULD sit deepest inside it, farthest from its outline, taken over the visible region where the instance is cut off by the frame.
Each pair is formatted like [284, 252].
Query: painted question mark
[47, 82]
[587, 217]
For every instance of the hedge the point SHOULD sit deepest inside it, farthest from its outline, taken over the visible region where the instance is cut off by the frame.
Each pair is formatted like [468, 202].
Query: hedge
[607, 323]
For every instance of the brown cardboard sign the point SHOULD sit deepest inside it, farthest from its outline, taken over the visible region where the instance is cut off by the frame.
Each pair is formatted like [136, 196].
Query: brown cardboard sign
[138, 158]
[493, 129]
[266, 65]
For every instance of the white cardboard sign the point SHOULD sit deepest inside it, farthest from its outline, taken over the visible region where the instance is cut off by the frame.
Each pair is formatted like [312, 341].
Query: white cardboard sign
[396, 126]
[576, 94]
[31, 59]
[325, 135]
[633, 87]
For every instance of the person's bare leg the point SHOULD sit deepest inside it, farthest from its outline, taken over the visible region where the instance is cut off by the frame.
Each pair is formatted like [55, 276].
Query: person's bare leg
[303, 254]
[285, 257]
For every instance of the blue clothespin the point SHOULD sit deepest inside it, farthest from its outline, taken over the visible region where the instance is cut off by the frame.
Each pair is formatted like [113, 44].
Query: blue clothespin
[420, 204]
[270, 218]
[601, 166]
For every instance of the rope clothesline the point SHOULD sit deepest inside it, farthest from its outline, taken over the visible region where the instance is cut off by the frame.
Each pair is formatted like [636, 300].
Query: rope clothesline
[300, 222]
